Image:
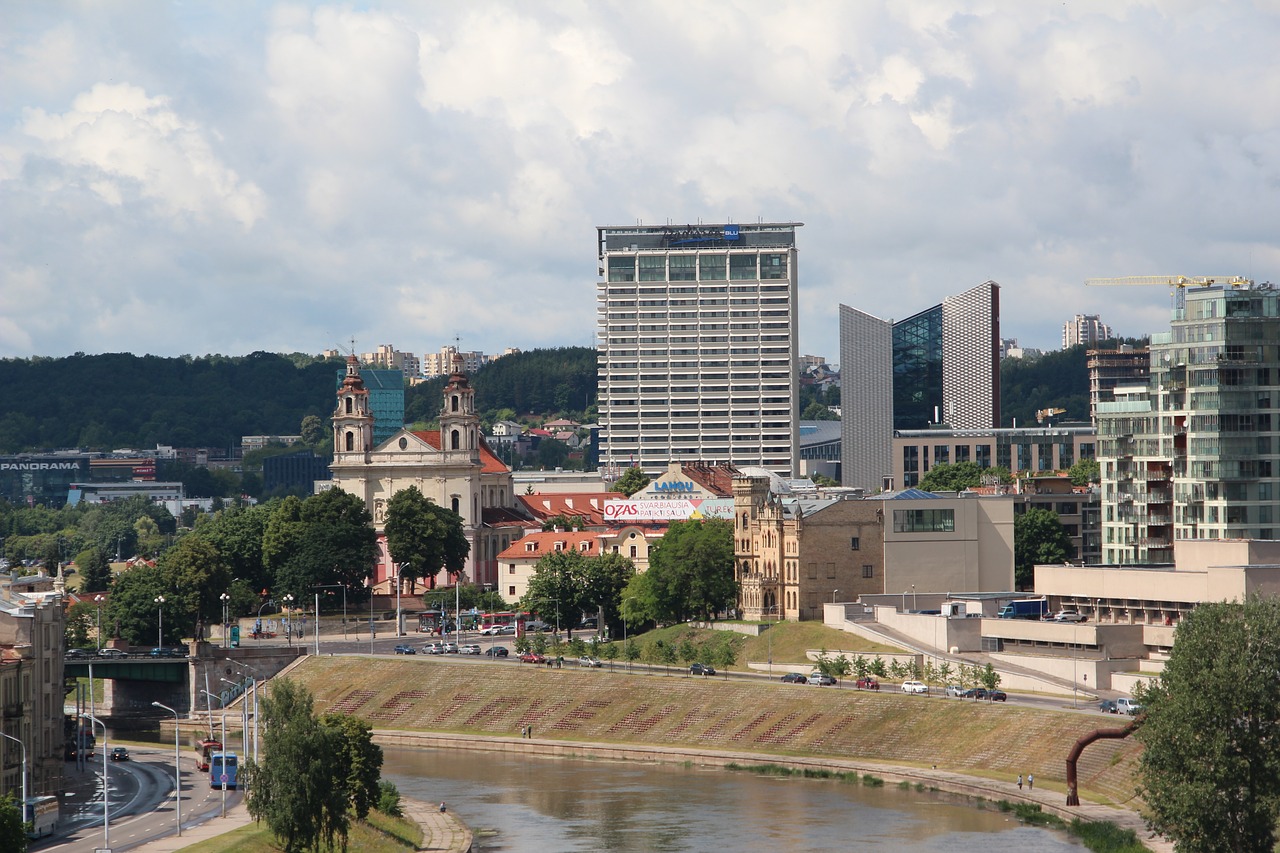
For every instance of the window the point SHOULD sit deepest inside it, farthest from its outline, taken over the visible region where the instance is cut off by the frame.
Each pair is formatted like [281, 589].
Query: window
[634, 551]
[773, 266]
[622, 269]
[511, 568]
[742, 267]
[711, 267]
[855, 543]
[653, 268]
[924, 521]
[868, 570]
[511, 592]
[683, 267]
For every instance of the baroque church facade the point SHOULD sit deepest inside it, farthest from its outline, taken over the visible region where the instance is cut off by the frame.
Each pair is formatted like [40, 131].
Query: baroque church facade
[451, 466]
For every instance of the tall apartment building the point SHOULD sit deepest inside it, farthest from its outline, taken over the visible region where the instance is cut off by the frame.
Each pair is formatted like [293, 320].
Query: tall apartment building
[698, 345]
[1084, 329]
[1195, 454]
[388, 357]
[441, 363]
[1111, 369]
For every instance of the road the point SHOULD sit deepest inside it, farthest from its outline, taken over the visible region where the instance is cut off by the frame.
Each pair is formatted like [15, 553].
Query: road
[140, 804]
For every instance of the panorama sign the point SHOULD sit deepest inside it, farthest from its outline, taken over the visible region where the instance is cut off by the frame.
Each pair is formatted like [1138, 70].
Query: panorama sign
[665, 510]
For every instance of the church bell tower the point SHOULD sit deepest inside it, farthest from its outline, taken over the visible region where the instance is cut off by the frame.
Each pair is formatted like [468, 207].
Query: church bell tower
[352, 420]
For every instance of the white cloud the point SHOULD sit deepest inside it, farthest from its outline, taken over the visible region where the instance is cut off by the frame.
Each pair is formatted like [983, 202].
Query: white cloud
[123, 143]
[226, 179]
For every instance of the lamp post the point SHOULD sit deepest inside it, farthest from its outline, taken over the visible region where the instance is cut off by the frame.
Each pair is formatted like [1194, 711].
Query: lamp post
[344, 602]
[177, 768]
[914, 605]
[24, 771]
[244, 715]
[288, 602]
[317, 624]
[399, 618]
[160, 627]
[106, 788]
[225, 598]
[223, 737]
[98, 600]
[253, 674]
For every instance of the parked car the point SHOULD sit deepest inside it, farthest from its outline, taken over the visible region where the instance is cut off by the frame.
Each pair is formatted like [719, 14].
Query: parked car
[589, 662]
[77, 653]
[701, 669]
[1125, 705]
[507, 630]
[119, 753]
[914, 687]
[469, 649]
[821, 679]
[997, 696]
[433, 649]
[956, 691]
[795, 678]
[867, 683]
[1108, 706]
[405, 649]
[112, 653]
[532, 657]
[497, 651]
[161, 652]
[450, 648]
[1068, 616]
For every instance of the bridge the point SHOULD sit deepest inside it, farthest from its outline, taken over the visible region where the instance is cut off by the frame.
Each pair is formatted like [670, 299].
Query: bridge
[134, 681]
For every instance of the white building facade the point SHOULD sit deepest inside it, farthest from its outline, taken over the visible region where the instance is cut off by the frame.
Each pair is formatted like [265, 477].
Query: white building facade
[698, 345]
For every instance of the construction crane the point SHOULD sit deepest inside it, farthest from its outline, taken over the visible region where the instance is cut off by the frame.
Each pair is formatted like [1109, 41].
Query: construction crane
[1172, 280]
[1043, 415]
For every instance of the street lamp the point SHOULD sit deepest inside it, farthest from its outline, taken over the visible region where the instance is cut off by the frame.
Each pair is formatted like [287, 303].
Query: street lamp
[225, 598]
[98, 600]
[288, 602]
[343, 587]
[209, 705]
[160, 627]
[177, 768]
[24, 770]
[244, 715]
[253, 674]
[106, 788]
[914, 605]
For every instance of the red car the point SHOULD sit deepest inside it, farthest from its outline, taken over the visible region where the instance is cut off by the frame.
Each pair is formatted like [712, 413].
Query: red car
[532, 657]
[867, 684]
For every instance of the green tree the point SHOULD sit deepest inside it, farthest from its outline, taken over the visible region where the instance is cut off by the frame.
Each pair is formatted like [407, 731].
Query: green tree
[988, 677]
[423, 537]
[556, 589]
[195, 576]
[362, 758]
[131, 612]
[301, 790]
[603, 580]
[690, 572]
[608, 651]
[726, 656]
[816, 411]
[631, 481]
[80, 619]
[95, 571]
[1038, 538]
[238, 534]
[945, 477]
[1084, 472]
[13, 834]
[312, 430]
[1209, 765]
[688, 651]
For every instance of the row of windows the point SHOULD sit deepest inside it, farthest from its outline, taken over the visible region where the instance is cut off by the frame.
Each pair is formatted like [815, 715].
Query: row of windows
[924, 521]
[740, 266]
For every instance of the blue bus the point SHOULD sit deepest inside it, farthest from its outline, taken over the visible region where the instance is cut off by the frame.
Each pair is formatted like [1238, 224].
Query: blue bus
[220, 764]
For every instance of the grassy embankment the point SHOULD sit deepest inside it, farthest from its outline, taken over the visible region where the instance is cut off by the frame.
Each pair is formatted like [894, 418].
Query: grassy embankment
[380, 834]
[994, 741]
[786, 642]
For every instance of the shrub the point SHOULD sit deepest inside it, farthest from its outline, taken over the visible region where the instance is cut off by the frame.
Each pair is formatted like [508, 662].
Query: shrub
[389, 799]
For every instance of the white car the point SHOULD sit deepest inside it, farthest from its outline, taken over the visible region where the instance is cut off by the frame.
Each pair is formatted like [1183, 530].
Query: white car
[1068, 616]
[588, 661]
[914, 687]
[492, 630]
[469, 649]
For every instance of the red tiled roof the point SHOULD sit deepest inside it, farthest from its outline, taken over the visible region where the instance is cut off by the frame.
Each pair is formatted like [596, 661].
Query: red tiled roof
[500, 516]
[587, 505]
[545, 543]
[490, 464]
[717, 479]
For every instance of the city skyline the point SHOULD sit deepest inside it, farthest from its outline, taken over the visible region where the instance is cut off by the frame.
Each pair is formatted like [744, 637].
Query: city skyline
[196, 179]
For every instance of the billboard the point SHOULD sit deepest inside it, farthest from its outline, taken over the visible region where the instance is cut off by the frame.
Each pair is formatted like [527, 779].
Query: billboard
[666, 510]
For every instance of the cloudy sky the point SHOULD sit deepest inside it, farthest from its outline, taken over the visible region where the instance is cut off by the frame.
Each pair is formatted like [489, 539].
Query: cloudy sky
[230, 177]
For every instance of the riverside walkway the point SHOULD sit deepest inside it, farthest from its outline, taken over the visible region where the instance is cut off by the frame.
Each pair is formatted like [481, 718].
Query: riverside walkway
[441, 832]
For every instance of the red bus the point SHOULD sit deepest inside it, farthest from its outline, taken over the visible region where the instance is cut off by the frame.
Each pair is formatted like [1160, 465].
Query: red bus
[204, 752]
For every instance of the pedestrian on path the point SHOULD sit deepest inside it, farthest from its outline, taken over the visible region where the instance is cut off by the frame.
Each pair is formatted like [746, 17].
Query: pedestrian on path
[1019, 781]
[1031, 782]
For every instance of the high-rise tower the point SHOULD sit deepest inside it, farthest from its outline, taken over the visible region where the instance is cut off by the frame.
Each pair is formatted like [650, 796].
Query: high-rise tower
[698, 345]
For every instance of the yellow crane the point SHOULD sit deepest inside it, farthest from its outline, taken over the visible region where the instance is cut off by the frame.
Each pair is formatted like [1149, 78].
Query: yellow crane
[1172, 280]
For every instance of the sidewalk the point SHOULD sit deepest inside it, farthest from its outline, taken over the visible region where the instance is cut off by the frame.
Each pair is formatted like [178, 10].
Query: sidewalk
[441, 833]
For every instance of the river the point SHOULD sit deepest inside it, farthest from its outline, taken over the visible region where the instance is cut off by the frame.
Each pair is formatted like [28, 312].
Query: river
[526, 804]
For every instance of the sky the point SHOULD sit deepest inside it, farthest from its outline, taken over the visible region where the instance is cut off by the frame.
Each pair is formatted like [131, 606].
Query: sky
[196, 178]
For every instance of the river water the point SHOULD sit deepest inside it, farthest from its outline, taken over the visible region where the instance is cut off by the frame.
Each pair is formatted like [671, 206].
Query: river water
[526, 804]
